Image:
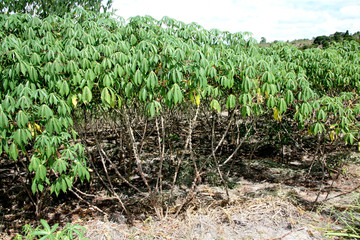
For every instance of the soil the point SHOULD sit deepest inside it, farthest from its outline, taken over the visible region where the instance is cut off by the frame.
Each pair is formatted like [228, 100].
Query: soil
[277, 209]
[267, 200]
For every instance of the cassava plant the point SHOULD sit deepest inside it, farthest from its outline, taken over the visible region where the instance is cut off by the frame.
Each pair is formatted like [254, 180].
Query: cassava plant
[155, 79]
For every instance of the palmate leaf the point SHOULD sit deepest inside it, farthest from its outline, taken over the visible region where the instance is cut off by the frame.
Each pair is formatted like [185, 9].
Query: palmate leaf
[231, 101]
[143, 94]
[138, 77]
[177, 94]
[40, 173]
[108, 97]
[63, 109]
[87, 95]
[282, 106]
[247, 84]
[215, 105]
[153, 108]
[60, 165]
[53, 99]
[64, 88]
[53, 124]
[45, 111]
[289, 97]
[245, 111]
[4, 122]
[22, 119]
[13, 151]
[41, 94]
[151, 81]
[21, 136]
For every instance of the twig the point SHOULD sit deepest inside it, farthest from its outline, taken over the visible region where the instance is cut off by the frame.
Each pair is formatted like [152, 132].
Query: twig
[216, 162]
[118, 173]
[287, 234]
[111, 186]
[138, 162]
[107, 174]
[188, 139]
[162, 156]
[342, 194]
[89, 204]
[237, 148]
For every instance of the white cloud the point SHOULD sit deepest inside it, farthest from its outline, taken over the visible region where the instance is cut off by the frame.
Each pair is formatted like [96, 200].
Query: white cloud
[350, 11]
[272, 19]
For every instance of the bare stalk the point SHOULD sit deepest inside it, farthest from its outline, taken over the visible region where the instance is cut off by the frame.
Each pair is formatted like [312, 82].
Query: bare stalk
[109, 180]
[113, 166]
[161, 152]
[139, 164]
[188, 140]
[107, 174]
[236, 149]
[215, 160]
[193, 186]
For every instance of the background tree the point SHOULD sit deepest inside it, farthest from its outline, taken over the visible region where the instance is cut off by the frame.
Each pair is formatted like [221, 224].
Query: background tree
[44, 8]
[263, 40]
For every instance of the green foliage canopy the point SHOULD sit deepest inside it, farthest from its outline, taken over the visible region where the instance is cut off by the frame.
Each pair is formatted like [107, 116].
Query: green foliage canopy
[44, 8]
[51, 67]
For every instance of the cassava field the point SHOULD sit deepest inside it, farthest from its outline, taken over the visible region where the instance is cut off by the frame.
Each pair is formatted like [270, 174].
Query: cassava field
[156, 129]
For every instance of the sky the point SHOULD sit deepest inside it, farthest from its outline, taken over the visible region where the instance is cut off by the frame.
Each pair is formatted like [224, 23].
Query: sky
[273, 19]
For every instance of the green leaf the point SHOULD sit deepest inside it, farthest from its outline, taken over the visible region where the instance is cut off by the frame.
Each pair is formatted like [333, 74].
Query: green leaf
[231, 101]
[151, 109]
[321, 115]
[282, 106]
[138, 77]
[63, 185]
[105, 96]
[4, 122]
[13, 151]
[151, 81]
[133, 39]
[22, 119]
[53, 124]
[247, 84]
[34, 186]
[349, 138]
[22, 136]
[177, 96]
[245, 111]
[41, 171]
[64, 88]
[45, 111]
[271, 102]
[87, 95]
[143, 94]
[215, 105]
[289, 97]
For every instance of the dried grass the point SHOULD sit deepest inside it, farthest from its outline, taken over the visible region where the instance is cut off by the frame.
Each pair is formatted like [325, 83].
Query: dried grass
[207, 217]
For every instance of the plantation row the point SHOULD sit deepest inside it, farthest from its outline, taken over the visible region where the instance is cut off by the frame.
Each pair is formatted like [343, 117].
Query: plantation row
[54, 68]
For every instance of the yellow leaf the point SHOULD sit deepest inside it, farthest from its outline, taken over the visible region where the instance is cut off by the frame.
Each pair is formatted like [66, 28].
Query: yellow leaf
[197, 99]
[192, 98]
[332, 136]
[37, 127]
[266, 94]
[277, 114]
[74, 100]
[31, 129]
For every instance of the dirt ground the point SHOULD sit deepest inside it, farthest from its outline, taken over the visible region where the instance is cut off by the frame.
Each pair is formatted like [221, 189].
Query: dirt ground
[282, 208]
[268, 200]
